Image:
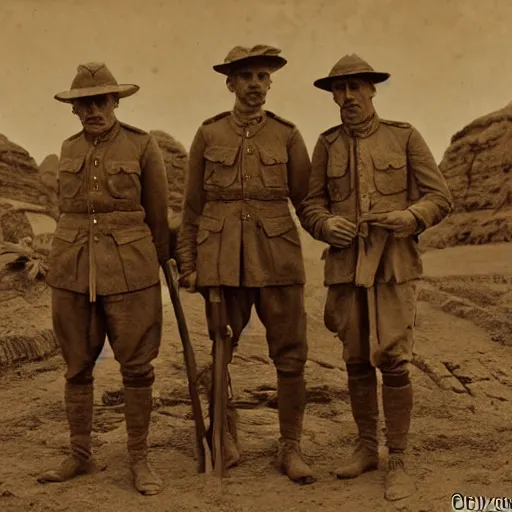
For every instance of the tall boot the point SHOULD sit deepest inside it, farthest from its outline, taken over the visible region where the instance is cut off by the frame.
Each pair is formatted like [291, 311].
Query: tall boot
[365, 411]
[79, 409]
[138, 405]
[397, 402]
[291, 403]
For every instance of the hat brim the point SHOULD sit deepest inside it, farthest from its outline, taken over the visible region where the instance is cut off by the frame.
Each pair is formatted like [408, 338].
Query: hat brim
[275, 62]
[374, 76]
[123, 90]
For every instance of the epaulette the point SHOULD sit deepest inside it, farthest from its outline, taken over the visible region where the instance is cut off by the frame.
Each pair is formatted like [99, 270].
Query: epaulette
[216, 118]
[133, 128]
[332, 133]
[399, 124]
[279, 118]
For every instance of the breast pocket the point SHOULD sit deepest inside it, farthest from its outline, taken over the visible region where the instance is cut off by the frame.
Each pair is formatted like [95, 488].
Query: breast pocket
[220, 169]
[123, 179]
[71, 177]
[274, 171]
[338, 177]
[390, 176]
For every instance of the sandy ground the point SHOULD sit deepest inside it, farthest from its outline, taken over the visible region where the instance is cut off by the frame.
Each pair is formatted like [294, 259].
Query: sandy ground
[461, 434]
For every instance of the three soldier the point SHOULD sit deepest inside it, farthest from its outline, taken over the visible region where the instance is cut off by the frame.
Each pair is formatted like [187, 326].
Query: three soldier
[371, 188]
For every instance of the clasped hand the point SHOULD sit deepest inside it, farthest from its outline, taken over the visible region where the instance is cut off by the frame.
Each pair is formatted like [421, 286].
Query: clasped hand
[340, 232]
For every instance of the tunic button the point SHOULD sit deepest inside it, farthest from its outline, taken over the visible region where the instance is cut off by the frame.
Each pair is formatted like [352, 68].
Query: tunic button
[96, 238]
[95, 221]
[247, 133]
[96, 162]
[247, 176]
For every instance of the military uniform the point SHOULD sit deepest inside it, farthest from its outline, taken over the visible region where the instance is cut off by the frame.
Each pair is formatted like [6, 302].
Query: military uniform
[111, 238]
[390, 168]
[238, 233]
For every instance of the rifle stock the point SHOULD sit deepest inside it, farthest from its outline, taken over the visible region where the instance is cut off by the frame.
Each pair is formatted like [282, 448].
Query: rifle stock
[203, 450]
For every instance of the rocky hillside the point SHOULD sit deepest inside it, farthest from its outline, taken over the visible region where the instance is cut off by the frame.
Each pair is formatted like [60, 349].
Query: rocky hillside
[477, 168]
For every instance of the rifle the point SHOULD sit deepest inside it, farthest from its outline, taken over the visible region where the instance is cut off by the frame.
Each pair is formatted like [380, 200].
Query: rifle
[203, 450]
[220, 377]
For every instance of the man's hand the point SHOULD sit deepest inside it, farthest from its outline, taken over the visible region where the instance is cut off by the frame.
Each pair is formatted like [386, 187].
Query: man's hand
[402, 222]
[189, 282]
[339, 232]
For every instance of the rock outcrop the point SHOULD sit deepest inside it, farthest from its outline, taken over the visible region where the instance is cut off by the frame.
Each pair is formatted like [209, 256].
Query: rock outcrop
[22, 192]
[176, 162]
[477, 167]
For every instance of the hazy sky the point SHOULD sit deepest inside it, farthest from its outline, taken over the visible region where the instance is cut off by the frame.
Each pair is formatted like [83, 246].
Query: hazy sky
[450, 61]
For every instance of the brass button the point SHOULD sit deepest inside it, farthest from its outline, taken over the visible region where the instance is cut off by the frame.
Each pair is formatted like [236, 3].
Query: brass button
[95, 178]
[249, 150]
[247, 176]
[245, 216]
[95, 221]
[96, 162]
[96, 238]
[247, 133]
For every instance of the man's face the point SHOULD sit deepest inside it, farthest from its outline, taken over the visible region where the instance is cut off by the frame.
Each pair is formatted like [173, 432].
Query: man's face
[354, 96]
[96, 113]
[250, 85]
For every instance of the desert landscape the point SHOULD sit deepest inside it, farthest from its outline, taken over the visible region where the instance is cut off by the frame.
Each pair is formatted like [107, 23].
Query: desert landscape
[461, 433]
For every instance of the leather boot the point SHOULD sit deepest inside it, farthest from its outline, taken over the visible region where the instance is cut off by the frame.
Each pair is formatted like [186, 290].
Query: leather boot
[138, 405]
[365, 411]
[291, 402]
[397, 402]
[231, 449]
[79, 408]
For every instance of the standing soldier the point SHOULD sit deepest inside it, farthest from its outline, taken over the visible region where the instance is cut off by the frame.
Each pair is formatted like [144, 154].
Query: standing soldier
[238, 233]
[374, 188]
[110, 241]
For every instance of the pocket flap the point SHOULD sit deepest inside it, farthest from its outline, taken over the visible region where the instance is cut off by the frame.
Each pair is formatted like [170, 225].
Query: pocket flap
[211, 224]
[70, 164]
[337, 164]
[127, 236]
[129, 167]
[271, 156]
[67, 234]
[392, 161]
[221, 154]
[276, 226]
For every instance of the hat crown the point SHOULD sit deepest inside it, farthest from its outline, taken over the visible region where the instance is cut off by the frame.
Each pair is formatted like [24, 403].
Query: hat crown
[93, 74]
[242, 52]
[351, 64]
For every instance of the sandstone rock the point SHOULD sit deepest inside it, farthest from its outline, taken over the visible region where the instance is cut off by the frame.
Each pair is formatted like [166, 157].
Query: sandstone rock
[22, 191]
[477, 168]
[176, 161]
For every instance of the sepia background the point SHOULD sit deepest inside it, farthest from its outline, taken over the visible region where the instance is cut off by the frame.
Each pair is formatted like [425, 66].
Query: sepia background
[449, 60]
[451, 74]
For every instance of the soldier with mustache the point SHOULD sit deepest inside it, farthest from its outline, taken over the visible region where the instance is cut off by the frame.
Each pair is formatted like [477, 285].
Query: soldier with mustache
[238, 233]
[111, 239]
[374, 188]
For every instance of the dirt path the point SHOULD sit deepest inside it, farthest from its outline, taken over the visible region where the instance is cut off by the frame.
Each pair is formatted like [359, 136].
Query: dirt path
[461, 436]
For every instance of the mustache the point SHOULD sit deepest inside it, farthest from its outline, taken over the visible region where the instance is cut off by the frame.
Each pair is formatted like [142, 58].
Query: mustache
[93, 119]
[349, 104]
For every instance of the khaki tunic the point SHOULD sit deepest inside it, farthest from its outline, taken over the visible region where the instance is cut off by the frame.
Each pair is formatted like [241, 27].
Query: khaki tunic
[112, 233]
[401, 173]
[237, 226]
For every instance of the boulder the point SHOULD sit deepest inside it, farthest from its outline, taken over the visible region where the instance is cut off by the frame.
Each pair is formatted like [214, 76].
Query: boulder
[477, 167]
